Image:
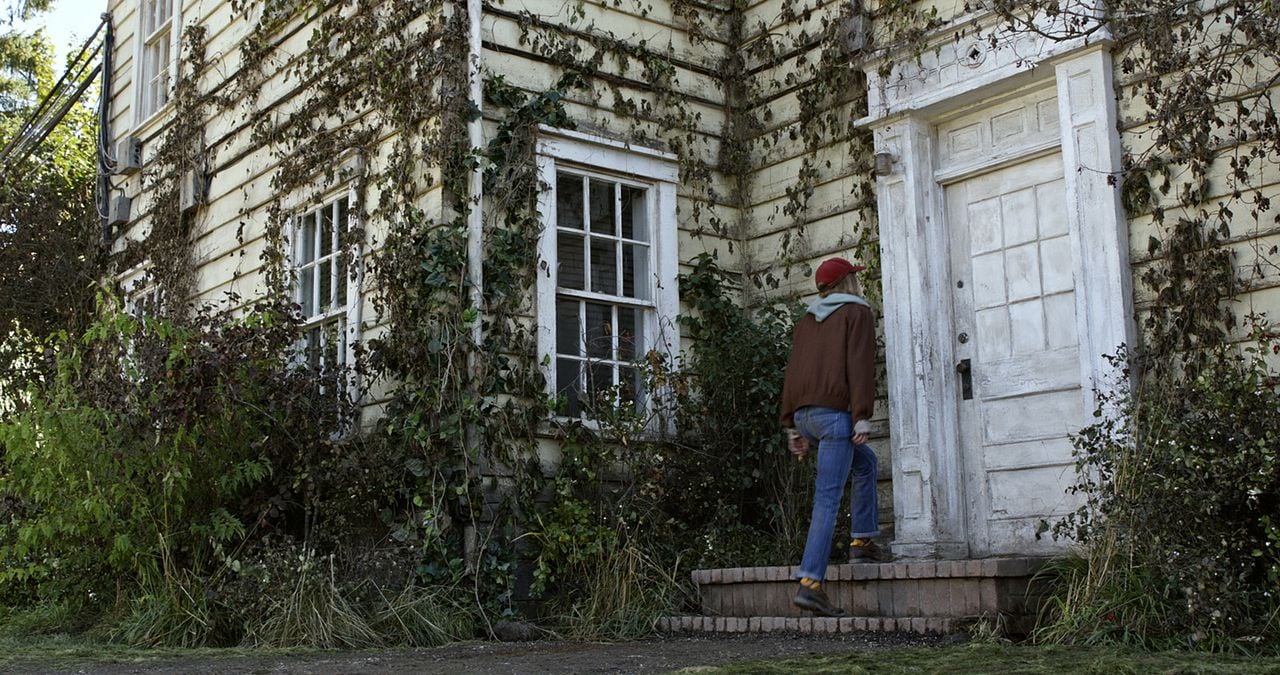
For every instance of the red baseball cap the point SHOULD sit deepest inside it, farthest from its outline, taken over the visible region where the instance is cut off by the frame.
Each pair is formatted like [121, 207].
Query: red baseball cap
[833, 270]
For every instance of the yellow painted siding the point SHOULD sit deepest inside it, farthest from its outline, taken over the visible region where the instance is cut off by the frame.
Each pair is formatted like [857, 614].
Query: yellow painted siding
[1253, 234]
[657, 75]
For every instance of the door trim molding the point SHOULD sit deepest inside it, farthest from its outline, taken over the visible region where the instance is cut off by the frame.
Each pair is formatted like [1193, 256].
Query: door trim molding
[929, 500]
[962, 173]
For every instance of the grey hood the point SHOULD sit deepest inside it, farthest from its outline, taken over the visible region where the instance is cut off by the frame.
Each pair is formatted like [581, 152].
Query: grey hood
[824, 307]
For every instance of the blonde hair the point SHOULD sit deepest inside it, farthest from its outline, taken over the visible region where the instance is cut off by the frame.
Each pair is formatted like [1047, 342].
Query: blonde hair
[848, 284]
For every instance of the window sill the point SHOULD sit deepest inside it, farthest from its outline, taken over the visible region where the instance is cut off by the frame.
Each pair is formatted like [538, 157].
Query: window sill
[554, 429]
[153, 123]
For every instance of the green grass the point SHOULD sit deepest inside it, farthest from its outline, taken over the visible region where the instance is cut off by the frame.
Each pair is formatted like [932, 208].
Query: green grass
[989, 658]
[55, 648]
[59, 651]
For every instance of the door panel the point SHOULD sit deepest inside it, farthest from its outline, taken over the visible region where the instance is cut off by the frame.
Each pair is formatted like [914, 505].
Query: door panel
[1015, 317]
[1019, 493]
[1030, 417]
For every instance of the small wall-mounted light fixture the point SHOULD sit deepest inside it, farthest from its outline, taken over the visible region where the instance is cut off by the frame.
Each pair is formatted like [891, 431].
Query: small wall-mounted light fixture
[884, 164]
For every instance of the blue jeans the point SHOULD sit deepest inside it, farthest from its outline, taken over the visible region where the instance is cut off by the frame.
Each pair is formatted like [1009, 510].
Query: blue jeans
[831, 431]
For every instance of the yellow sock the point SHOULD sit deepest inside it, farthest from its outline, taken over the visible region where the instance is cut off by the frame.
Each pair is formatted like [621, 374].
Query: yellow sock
[860, 542]
[811, 584]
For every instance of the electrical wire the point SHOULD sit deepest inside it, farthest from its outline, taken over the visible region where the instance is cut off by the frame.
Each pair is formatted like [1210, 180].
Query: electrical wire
[107, 164]
[55, 105]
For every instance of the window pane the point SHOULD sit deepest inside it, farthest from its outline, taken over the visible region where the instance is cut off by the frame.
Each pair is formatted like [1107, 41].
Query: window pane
[567, 385]
[569, 201]
[334, 352]
[164, 11]
[571, 258]
[635, 223]
[343, 221]
[313, 347]
[342, 280]
[331, 338]
[635, 271]
[599, 385]
[568, 328]
[602, 207]
[326, 287]
[630, 335]
[155, 76]
[162, 70]
[599, 331]
[326, 231]
[306, 291]
[630, 388]
[156, 13]
[604, 266]
[307, 239]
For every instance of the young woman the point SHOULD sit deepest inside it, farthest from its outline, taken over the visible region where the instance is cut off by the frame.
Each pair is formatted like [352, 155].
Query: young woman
[827, 400]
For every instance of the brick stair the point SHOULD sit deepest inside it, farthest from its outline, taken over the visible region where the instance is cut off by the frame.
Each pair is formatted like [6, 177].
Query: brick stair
[917, 596]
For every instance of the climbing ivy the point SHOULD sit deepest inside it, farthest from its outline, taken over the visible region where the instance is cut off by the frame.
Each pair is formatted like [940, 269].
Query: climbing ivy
[384, 81]
[1198, 87]
[180, 156]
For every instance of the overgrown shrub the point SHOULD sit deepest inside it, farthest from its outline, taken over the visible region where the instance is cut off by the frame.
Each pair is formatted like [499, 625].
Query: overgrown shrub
[605, 561]
[1183, 500]
[728, 474]
[203, 459]
[151, 450]
[633, 508]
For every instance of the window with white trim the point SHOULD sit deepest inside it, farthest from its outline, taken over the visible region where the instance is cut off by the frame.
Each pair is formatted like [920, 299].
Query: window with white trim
[159, 33]
[142, 296]
[144, 302]
[325, 287]
[607, 290]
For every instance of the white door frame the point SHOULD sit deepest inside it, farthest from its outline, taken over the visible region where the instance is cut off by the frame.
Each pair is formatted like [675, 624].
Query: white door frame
[905, 104]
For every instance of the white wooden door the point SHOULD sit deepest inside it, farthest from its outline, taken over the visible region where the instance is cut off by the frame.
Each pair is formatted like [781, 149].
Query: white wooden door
[1016, 346]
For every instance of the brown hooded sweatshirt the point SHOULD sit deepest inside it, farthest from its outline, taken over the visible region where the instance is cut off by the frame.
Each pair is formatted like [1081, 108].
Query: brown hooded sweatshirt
[832, 363]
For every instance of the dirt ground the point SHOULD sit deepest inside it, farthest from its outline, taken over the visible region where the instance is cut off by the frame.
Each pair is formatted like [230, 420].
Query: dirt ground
[658, 655]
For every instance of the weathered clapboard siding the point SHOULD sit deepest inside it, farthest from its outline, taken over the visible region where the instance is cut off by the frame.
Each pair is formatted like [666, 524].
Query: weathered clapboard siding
[229, 231]
[697, 41]
[511, 40]
[834, 220]
[1252, 241]
[241, 171]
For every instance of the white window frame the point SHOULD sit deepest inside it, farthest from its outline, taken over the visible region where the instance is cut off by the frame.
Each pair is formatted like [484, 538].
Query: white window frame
[158, 48]
[348, 317]
[593, 156]
[142, 297]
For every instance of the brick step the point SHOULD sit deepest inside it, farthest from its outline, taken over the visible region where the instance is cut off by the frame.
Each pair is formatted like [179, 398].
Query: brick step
[908, 590]
[791, 624]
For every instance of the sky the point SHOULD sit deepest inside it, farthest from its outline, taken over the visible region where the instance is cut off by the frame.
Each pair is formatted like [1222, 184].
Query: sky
[69, 24]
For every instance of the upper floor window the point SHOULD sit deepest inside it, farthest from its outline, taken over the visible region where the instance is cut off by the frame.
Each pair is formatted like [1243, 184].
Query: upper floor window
[159, 42]
[607, 290]
[326, 285]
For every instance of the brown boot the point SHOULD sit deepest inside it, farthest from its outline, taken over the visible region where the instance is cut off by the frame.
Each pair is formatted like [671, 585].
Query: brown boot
[814, 599]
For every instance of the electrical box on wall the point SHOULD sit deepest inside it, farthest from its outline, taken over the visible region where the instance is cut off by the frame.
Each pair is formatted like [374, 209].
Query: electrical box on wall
[194, 191]
[129, 156]
[854, 34]
[118, 211]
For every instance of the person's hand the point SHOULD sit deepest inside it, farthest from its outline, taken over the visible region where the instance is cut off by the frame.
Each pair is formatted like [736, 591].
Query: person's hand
[861, 432]
[797, 443]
